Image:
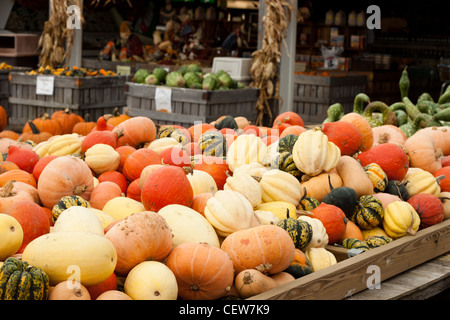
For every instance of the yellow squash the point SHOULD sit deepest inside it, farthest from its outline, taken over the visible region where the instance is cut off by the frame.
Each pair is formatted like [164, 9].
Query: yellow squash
[400, 219]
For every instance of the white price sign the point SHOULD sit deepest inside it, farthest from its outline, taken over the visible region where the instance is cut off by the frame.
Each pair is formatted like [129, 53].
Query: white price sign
[163, 99]
[45, 85]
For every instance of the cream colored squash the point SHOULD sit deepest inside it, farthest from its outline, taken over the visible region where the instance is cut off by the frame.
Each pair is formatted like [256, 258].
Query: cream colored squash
[78, 218]
[445, 198]
[229, 211]
[188, 226]
[400, 219]
[161, 144]
[353, 176]
[319, 236]
[85, 256]
[121, 207]
[11, 236]
[96, 182]
[280, 209]
[105, 219]
[314, 154]
[254, 169]
[247, 148]
[320, 258]
[246, 185]
[101, 158]
[201, 182]
[266, 217]
[151, 280]
[277, 185]
[60, 145]
[422, 182]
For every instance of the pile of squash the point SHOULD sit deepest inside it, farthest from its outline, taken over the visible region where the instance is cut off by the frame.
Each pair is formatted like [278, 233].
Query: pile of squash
[120, 208]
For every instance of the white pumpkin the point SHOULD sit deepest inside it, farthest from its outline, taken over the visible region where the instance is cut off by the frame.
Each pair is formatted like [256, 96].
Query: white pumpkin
[78, 218]
[254, 169]
[201, 182]
[188, 226]
[267, 217]
[314, 154]
[277, 185]
[161, 144]
[151, 280]
[247, 148]
[229, 211]
[319, 234]
[247, 186]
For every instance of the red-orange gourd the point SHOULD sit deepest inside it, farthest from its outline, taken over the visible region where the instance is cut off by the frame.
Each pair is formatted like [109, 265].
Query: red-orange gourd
[333, 219]
[137, 161]
[345, 135]
[216, 167]
[136, 131]
[25, 159]
[102, 193]
[116, 177]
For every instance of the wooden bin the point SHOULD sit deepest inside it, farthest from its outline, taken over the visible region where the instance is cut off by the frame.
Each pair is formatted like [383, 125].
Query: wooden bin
[94, 95]
[351, 274]
[191, 105]
[4, 86]
[314, 94]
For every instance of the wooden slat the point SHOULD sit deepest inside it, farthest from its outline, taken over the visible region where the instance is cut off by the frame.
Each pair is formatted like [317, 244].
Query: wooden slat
[350, 276]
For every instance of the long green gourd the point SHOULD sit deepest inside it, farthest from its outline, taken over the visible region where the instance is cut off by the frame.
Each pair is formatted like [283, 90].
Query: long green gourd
[334, 113]
[404, 84]
[360, 102]
[411, 109]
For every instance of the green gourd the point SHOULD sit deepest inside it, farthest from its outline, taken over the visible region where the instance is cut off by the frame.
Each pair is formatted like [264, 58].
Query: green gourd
[285, 162]
[361, 100]
[67, 202]
[387, 115]
[307, 203]
[213, 143]
[286, 144]
[353, 243]
[442, 115]
[411, 126]
[300, 231]
[344, 198]
[397, 188]
[411, 108]
[226, 122]
[377, 241]
[300, 266]
[334, 113]
[404, 84]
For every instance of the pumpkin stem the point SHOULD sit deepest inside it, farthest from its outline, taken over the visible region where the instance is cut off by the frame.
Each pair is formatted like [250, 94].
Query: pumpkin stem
[303, 213]
[79, 190]
[188, 170]
[439, 179]
[119, 132]
[247, 279]
[257, 178]
[329, 183]
[33, 127]
[7, 190]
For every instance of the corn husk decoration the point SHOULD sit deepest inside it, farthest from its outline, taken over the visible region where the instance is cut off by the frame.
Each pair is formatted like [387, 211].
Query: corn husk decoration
[56, 39]
[264, 69]
[106, 2]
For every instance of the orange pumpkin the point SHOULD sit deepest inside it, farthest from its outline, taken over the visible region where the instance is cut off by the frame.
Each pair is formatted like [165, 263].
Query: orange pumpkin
[45, 124]
[137, 161]
[252, 129]
[333, 219]
[66, 176]
[150, 239]
[98, 289]
[7, 165]
[102, 193]
[345, 135]
[9, 134]
[203, 272]
[17, 175]
[9, 195]
[167, 185]
[102, 125]
[3, 118]
[445, 182]
[216, 167]
[390, 157]
[83, 128]
[267, 248]
[32, 218]
[116, 117]
[40, 165]
[268, 140]
[289, 117]
[198, 129]
[116, 177]
[136, 131]
[363, 126]
[388, 134]
[25, 159]
[124, 152]
[199, 202]
[352, 231]
[134, 190]
[35, 134]
[295, 130]
[67, 119]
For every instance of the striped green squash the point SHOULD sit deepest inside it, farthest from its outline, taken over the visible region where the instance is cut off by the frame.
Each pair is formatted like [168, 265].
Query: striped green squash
[377, 241]
[353, 243]
[165, 131]
[377, 176]
[285, 162]
[213, 143]
[307, 203]
[66, 202]
[20, 281]
[286, 144]
[300, 231]
[368, 213]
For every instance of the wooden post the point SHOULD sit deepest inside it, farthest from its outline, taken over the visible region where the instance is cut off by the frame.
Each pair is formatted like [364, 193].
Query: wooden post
[287, 65]
[76, 55]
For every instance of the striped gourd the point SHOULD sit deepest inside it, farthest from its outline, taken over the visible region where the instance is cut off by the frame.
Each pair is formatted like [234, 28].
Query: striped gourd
[285, 162]
[368, 213]
[377, 176]
[300, 231]
[353, 243]
[307, 203]
[66, 202]
[20, 281]
[377, 241]
[168, 131]
[286, 144]
[165, 131]
[213, 143]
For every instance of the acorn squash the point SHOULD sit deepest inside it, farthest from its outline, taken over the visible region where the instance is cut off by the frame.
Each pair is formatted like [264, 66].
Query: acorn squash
[368, 212]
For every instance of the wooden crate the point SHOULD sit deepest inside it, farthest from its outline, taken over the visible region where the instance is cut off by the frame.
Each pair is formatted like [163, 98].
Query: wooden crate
[352, 275]
[314, 94]
[4, 86]
[94, 95]
[191, 105]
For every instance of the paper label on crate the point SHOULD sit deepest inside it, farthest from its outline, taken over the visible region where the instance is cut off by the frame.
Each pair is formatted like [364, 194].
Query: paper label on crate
[123, 70]
[163, 99]
[45, 85]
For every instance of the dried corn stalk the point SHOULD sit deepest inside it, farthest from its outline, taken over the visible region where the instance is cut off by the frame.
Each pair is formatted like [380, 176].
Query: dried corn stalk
[56, 39]
[105, 2]
[264, 69]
